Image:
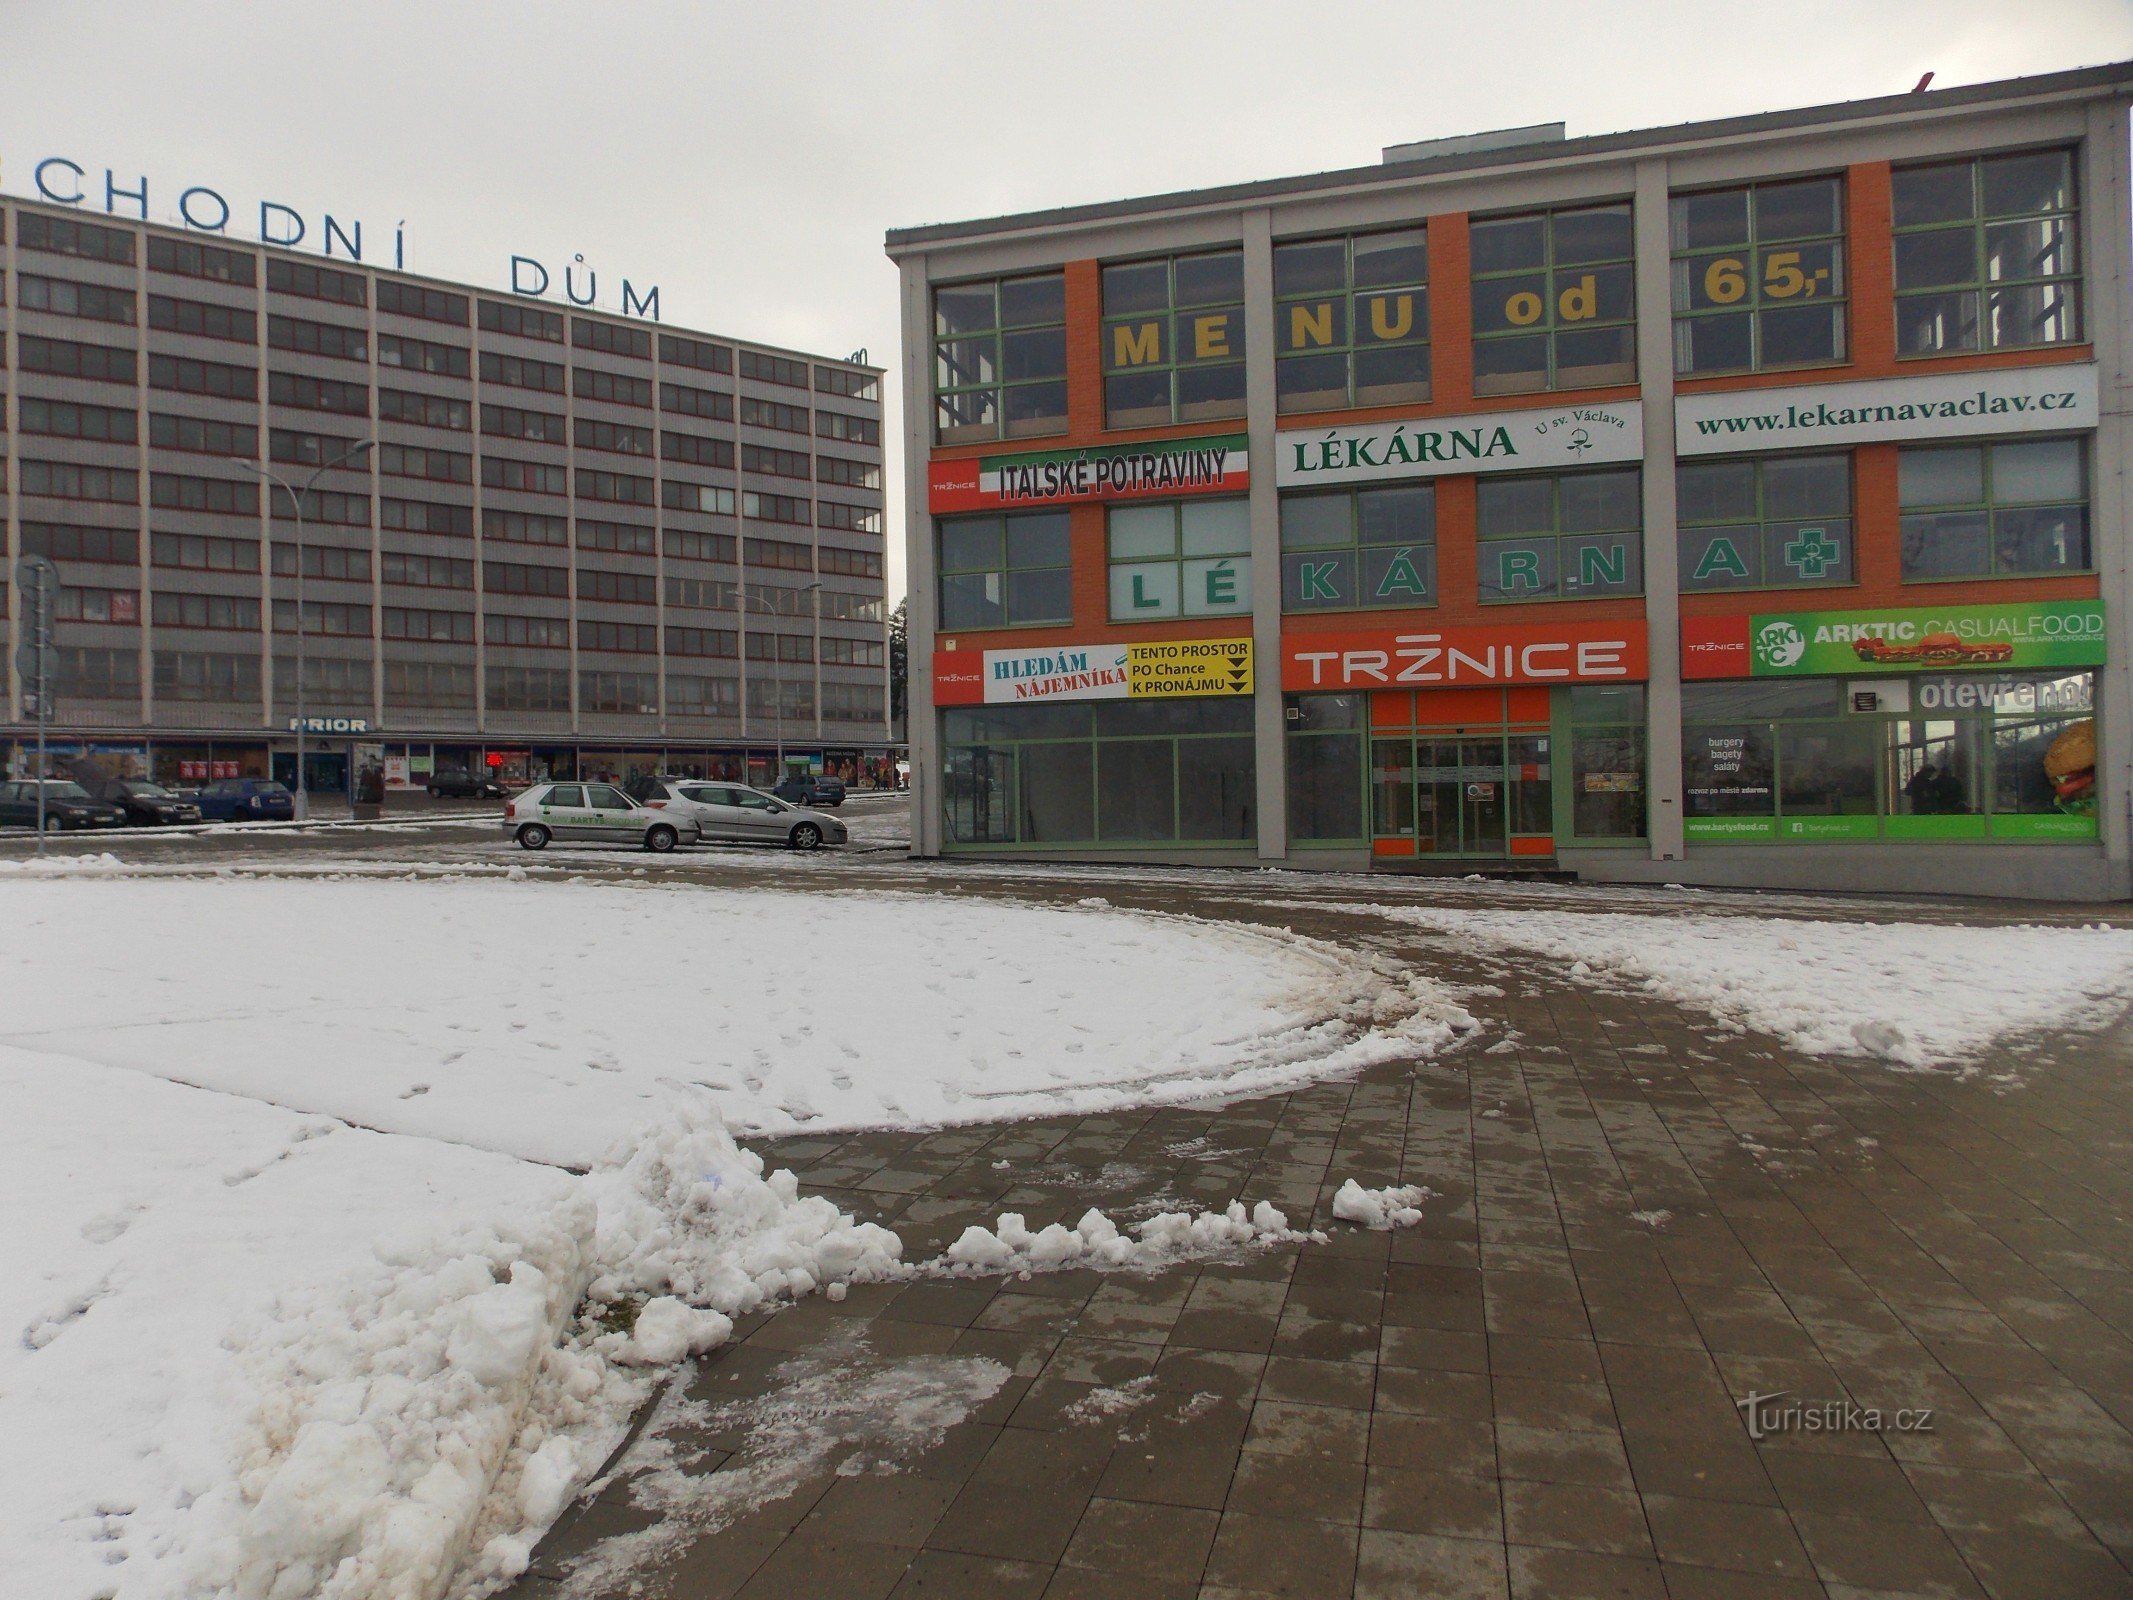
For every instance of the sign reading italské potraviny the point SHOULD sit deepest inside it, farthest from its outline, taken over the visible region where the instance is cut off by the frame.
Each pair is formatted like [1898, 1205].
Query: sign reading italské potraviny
[1160, 470]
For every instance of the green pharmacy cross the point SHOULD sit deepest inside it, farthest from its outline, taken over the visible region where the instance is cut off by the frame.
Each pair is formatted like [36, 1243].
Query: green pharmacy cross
[1813, 553]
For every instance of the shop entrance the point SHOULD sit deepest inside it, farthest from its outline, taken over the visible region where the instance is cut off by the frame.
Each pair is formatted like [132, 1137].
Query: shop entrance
[1461, 772]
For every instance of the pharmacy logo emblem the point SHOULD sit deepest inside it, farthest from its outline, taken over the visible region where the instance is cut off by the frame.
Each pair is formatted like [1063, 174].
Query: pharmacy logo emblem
[1812, 553]
[1779, 643]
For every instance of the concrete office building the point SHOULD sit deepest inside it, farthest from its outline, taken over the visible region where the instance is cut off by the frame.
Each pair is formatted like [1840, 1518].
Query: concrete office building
[1735, 503]
[582, 541]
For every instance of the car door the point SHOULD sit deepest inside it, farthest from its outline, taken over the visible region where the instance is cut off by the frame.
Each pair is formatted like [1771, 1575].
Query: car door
[12, 811]
[613, 815]
[562, 811]
[711, 805]
[761, 817]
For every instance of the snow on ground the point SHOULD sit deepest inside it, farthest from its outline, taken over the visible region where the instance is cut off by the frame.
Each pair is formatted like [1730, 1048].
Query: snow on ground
[1912, 994]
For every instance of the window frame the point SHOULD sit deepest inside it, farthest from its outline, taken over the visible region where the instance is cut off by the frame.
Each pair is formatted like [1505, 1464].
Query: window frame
[1547, 322]
[1000, 570]
[1758, 297]
[1168, 318]
[1763, 521]
[997, 388]
[1631, 535]
[1990, 506]
[1981, 286]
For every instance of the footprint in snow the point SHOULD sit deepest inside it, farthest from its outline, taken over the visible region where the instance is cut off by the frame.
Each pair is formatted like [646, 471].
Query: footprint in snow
[412, 1090]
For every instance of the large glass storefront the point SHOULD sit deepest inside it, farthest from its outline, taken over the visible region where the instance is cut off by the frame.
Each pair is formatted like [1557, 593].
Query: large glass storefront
[1936, 756]
[1120, 773]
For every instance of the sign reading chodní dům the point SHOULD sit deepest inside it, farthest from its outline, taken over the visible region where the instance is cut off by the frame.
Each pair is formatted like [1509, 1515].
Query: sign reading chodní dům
[1161, 469]
[1149, 669]
[2042, 633]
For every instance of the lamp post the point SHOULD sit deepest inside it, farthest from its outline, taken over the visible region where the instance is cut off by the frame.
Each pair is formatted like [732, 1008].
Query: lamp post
[296, 502]
[777, 677]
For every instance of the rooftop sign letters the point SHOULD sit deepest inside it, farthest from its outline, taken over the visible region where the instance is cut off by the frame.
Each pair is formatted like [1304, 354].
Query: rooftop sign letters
[1496, 441]
[2043, 633]
[1537, 653]
[1161, 469]
[1150, 669]
[1827, 415]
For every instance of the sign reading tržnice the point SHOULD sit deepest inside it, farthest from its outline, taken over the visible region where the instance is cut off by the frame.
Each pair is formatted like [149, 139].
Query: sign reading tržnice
[1151, 669]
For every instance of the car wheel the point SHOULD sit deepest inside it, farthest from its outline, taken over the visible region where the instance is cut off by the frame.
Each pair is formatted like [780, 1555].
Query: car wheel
[533, 837]
[436, 793]
[660, 839]
[807, 837]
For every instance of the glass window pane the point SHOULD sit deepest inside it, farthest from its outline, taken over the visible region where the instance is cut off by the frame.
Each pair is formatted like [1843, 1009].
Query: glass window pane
[1509, 245]
[1807, 486]
[2043, 248]
[1388, 375]
[1797, 210]
[1934, 323]
[1136, 789]
[1393, 515]
[1715, 344]
[2041, 539]
[1948, 544]
[1598, 235]
[1318, 582]
[1511, 366]
[1808, 552]
[1314, 268]
[1514, 505]
[1947, 477]
[2048, 469]
[959, 362]
[1593, 356]
[1310, 520]
[1142, 532]
[1024, 301]
[970, 543]
[1136, 399]
[1038, 541]
[1517, 569]
[1593, 501]
[1718, 491]
[1503, 304]
[1607, 783]
[1826, 769]
[967, 309]
[1399, 575]
[1040, 596]
[1392, 258]
[1796, 335]
[1205, 392]
[1034, 408]
[1726, 770]
[1143, 590]
[1721, 557]
[1738, 701]
[2033, 314]
[1607, 703]
[2021, 780]
[1940, 258]
[1211, 279]
[1037, 353]
[971, 600]
[1137, 286]
[1325, 779]
[1933, 194]
[966, 416]
[2016, 185]
[1311, 383]
[1216, 789]
[978, 795]
[1216, 527]
[1709, 221]
[1058, 793]
[1602, 564]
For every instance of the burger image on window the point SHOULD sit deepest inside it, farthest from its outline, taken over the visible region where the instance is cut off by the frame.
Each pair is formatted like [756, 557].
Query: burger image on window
[2070, 763]
[1934, 649]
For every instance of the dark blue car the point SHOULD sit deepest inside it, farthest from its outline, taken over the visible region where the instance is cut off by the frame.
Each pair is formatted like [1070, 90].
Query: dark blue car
[246, 800]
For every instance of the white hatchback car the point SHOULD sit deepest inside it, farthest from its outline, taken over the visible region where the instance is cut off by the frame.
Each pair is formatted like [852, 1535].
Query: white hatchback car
[747, 816]
[599, 812]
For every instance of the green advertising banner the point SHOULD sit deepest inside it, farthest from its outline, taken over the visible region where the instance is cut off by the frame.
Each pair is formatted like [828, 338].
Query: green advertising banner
[2042, 633]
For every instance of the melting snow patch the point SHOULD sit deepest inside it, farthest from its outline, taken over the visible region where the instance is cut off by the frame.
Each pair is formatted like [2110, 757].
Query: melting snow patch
[1655, 1220]
[1156, 1242]
[1395, 1207]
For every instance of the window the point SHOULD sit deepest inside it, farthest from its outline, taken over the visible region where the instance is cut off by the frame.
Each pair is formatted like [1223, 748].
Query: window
[695, 449]
[1005, 570]
[509, 422]
[769, 414]
[999, 359]
[1983, 511]
[1554, 299]
[521, 372]
[447, 685]
[690, 695]
[688, 402]
[207, 611]
[309, 449]
[632, 693]
[851, 563]
[314, 282]
[1560, 535]
[202, 436]
[1607, 761]
[327, 506]
[636, 638]
[779, 553]
[681, 352]
[330, 618]
[614, 338]
[775, 463]
[90, 301]
[71, 542]
[624, 588]
[852, 474]
[412, 461]
[525, 527]
[546, 633]
[1778, 523]
[852, 385]
[696, 497]
[1351, 323]
[185, 259]
[1325, 762]
[844, 607]
[851, 702]
[790, 647]
[62, 419]
[122, 606]
[528, 477]
[1187, 558]
[1758, 276]
[199, 553]
[99, 674]
[1173, 339]
[589, 383]
[794, 700]
[523, 322]
[95, 362]
[427, 516]
[318, 338]
[778, 600]
[63, 236]
[621, 437]
[426, 410]
[529, 689]
[334, 562]
[1364, 547]
[775, 508]
[625, 488]
[428, 572]
[773, 369]
[699, 546]
[201, 319]
[422, 355]
[447, 627]
[70, 480]
[197, 675]
[852, 519]
[701, 594]
[308, 394]
[511, 577]
[716, 642]
[852, 430]
[852, 653]
[1986, 254]
[623, 538]
[429, 305]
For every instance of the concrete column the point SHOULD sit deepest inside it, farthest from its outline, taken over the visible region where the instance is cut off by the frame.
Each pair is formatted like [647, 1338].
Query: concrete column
[1662, 549]
[921, 591]
[2107, 224]
[1269, 728]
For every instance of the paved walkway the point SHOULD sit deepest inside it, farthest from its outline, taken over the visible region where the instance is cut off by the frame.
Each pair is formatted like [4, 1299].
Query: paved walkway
[1639, 1221]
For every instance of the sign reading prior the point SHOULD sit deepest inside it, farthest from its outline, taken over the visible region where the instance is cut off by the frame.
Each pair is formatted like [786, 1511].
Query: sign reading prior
[1822, 415]
[1539, 653]
[1163, 469]
[1495, 441]
[1145, 670]
[331, 725]
[2043, 633]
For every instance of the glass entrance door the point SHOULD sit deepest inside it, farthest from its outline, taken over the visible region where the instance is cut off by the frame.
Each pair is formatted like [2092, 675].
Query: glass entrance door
[1451, 796]
[1483, 795]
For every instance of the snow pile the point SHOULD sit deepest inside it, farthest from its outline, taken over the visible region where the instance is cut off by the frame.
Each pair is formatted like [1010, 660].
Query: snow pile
[1913, 994]
[1393, 1207]
[1095, 1241]
[56, 866]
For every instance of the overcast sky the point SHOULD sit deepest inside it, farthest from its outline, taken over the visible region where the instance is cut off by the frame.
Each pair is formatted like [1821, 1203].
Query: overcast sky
[747, 159]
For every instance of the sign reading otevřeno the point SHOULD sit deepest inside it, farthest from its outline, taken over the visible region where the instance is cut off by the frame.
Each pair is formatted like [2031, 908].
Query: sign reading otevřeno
[2042, 633]
[1162, 468]
[1495, 441]
[1948, 406]
[1145, 669]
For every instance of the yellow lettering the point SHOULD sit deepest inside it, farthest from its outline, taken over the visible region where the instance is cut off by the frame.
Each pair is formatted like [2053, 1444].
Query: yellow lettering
[1310, 324]
[1723, 281]
[1136, 345]
[1210, 336]
[1523, 308]
[1581, 301]
[1382, 323]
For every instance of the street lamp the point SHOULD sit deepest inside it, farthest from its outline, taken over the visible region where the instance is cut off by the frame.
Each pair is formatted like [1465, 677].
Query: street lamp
[777, 676]
[296, 502]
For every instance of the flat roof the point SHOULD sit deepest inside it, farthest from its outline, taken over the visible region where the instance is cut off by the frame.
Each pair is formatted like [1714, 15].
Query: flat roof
[2081, 82]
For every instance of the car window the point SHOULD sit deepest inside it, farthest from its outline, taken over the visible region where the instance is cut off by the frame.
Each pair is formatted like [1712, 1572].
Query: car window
[704, 795]
[606, 797]
[268, 786]
[64, 791]
[10, 791]
[564, 794]
[758, 802]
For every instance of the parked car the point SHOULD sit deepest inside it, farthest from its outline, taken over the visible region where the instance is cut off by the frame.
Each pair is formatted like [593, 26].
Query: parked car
[733, 812]
[808, 790]
[66, 805]
[146, 805]
[595, 812]
[465, 786]
[246, 800]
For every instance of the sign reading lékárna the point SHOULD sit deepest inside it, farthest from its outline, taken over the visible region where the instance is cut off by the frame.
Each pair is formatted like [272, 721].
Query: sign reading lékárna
[1494, 441]
[1952, 405]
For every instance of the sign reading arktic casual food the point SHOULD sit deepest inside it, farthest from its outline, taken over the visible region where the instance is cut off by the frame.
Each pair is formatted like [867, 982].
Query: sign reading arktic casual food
[2042, 633]
[1147, 669]
[1524, 653]
[1163, 468]
[1948, 406]
[1494, 441]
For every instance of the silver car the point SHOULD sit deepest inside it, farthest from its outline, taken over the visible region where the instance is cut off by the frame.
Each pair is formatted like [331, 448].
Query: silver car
[592, 811]
[731, 811]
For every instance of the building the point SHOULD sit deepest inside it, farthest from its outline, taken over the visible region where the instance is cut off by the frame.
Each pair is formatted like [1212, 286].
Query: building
[1735, 503]
[569, 525]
